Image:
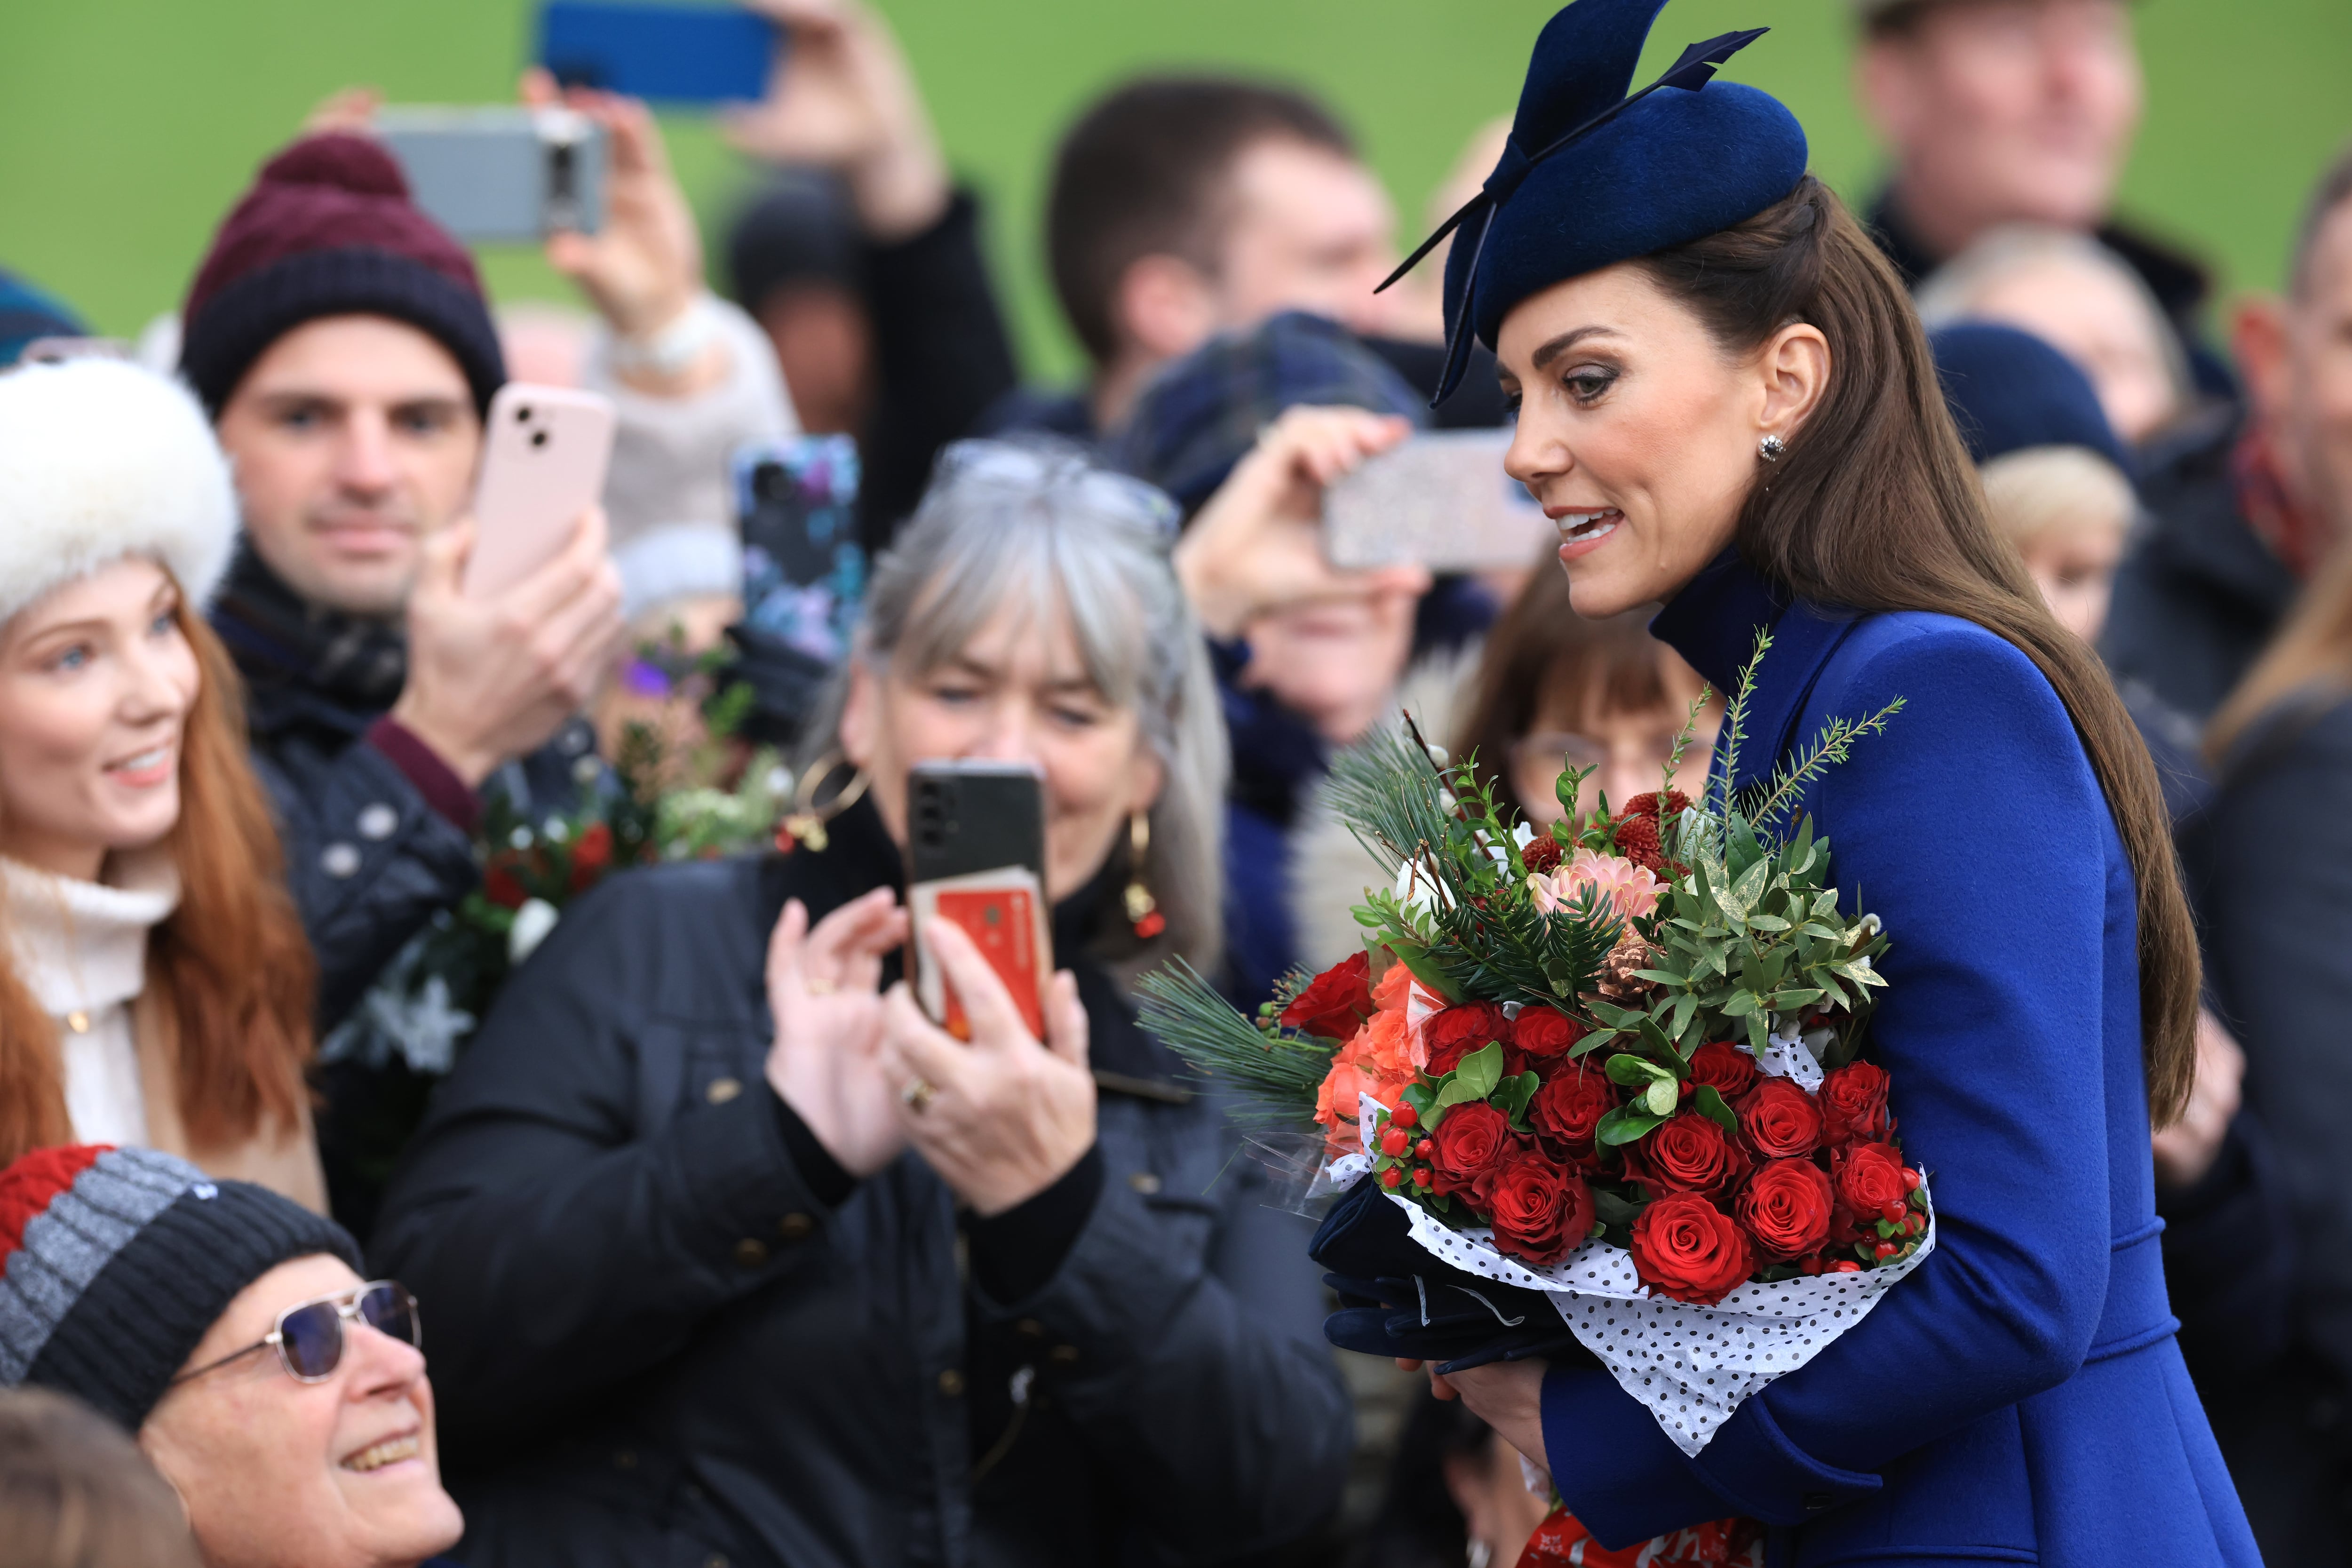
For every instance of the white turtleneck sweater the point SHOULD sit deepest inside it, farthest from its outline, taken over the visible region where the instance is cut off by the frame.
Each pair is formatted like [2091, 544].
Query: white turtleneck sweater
[81, 948]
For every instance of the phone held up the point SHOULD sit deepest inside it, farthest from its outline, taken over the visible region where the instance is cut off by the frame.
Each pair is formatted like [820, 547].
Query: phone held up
[543, 462]
[500, 175]
[670, 53]
[804, 568]
[976, 859]
[1439, 500]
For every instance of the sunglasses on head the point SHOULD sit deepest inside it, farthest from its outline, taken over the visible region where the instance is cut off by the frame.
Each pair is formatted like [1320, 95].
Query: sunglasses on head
[309, 1336]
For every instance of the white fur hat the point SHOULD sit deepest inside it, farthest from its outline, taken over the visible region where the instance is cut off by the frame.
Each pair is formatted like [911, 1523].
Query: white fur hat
[101, 459]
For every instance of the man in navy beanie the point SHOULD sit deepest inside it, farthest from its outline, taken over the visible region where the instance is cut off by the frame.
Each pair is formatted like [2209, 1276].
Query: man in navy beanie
[341, 341]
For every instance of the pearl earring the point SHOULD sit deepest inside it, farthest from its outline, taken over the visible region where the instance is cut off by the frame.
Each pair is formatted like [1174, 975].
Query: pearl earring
[1770, 447]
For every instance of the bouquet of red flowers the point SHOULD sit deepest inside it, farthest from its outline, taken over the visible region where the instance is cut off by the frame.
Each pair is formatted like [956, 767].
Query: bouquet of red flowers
[1619, 1064]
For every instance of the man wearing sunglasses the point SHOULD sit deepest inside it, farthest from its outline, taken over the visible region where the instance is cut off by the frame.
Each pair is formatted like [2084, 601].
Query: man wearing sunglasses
[283, 1396]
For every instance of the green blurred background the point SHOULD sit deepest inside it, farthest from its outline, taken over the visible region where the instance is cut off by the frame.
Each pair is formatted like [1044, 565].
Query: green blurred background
[127, 126]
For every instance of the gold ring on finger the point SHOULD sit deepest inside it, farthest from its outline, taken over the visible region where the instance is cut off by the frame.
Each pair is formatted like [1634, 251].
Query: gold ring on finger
[917, 1094]
[817, 986]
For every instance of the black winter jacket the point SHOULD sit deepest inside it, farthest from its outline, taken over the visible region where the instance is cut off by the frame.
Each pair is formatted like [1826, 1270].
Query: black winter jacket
[2199, 596]
[656, 1341]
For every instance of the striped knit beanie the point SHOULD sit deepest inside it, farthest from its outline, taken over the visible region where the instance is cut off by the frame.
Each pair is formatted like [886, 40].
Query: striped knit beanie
[115, 1262]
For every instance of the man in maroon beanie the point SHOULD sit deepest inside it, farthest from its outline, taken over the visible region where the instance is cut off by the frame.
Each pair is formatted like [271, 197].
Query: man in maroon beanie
[341, 339]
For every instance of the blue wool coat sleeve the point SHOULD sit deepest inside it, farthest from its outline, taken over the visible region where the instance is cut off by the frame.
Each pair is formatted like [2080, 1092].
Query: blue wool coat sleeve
[1974, 828]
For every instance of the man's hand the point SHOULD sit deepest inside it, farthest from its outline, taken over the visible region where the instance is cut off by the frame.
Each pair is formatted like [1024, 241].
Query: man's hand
[1257, 546]
[490, 679]
[824, 989]
[1505, 1395]
[2185, 1149]
[643, 270]
[841, 96]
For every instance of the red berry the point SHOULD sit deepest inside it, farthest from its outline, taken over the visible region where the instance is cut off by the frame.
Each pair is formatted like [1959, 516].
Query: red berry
[1393, 1142]
[1915, 1224]
[1891, 1211]
[1910, 1180]
[1405, 1115]
[1393, 1178]
[1423, 1150]
[1885, 1249]
[1810, 1265]
[1845, 1266]
[1420, 1178]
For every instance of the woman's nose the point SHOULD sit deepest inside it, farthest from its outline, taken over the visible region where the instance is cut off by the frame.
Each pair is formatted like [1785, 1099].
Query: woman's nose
[158, 687]
[1531, 456]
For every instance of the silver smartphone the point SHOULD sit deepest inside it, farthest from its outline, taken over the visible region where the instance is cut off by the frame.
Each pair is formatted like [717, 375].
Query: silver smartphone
[497, 173]
[1440, 501]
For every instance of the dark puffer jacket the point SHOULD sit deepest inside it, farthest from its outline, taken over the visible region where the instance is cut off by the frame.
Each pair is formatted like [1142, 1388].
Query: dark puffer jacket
[666, 1329]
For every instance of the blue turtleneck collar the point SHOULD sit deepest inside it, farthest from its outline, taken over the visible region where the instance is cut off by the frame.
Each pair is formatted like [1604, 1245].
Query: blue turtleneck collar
[1714, 620]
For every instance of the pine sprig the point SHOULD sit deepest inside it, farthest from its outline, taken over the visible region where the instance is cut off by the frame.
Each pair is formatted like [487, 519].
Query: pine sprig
[1273, 1074]
[1828, 748]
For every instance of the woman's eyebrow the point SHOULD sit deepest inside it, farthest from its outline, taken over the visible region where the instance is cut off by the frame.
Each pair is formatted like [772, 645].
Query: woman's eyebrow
[1567, 340]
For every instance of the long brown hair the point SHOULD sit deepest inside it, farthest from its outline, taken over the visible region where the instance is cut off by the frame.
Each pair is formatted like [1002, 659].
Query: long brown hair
[1875, 506]
[230, 963]
[2313, 653]
[75, 1492]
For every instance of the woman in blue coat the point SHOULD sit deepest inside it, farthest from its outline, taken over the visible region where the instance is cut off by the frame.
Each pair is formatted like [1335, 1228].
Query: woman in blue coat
[1726, 404]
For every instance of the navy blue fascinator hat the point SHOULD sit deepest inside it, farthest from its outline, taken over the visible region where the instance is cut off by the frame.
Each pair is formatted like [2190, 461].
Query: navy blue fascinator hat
[1591, 176]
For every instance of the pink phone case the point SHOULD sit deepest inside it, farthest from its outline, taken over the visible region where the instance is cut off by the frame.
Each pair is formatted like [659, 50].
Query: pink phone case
[543, 464]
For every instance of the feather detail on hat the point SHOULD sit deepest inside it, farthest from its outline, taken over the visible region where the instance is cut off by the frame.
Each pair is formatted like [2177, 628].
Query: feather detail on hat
[99, 460]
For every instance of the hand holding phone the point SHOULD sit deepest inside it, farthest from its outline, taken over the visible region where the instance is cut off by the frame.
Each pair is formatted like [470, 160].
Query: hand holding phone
[544, 461]
[976, 860]
[1439, 500]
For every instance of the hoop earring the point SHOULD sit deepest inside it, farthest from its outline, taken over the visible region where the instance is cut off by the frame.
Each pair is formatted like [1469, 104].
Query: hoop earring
[804, 824]
[1770, 447]
[1142, 908]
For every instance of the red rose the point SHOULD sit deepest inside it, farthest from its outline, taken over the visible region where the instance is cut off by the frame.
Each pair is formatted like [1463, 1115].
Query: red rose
[1728, 1067]
[1540, 1211]
[1539, 1033]
[1467, 1146]
[1690, 1154]
[1781, 1120]
[1853, 1104]
[1786, 1208]
[1685, 1247]
[1336, 1002]
[1567, 1109]
[1868, 1177]
[1456, 1032]
[1541, 853]
[591, 855]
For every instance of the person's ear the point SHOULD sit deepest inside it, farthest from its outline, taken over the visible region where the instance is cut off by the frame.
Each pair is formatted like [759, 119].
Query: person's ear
[1886, 86]
[2258, 342]
[1163, 306]
[1794, 372]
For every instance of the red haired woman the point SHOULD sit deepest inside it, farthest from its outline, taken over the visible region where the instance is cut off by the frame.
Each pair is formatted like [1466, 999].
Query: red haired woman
[154, 982]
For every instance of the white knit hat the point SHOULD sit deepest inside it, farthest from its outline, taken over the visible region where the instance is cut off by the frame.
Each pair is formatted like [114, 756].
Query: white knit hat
[101, 459]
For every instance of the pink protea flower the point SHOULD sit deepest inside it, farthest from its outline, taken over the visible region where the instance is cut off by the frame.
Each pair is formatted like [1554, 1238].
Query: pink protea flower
[1617, 883]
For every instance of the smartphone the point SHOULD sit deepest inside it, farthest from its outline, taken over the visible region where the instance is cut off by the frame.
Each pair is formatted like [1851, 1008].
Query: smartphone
[976, 857]
[670, 53]
[804, 568]
[543, 464]
[499, 174]
[1439, 500]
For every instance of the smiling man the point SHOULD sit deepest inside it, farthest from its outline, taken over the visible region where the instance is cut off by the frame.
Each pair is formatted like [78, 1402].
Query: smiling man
[283, 1397]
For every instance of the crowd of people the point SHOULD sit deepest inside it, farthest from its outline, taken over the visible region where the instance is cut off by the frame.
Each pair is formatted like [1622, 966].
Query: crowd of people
[709, 1283]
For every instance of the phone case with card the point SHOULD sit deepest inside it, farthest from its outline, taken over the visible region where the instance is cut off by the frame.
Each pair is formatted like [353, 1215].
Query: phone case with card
[543, 462]
[976, 856]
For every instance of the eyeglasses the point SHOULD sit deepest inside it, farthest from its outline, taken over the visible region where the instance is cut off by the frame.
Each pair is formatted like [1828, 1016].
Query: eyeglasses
[1045, 465]
[309, 1336]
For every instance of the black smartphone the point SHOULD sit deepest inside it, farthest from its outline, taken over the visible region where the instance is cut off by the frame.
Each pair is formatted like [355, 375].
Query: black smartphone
[976, 857]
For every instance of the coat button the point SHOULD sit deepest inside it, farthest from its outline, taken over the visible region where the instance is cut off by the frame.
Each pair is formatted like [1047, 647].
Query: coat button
[1030, 1329]
[1144, 1182]
[377, 821]
[1062, 1355]
[751, 1252]
[722, 1090]
[795, 1226]
[951, 1382]
[339, 860]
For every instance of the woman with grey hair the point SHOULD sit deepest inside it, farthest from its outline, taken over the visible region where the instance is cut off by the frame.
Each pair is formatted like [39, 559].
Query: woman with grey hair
[734, 1257]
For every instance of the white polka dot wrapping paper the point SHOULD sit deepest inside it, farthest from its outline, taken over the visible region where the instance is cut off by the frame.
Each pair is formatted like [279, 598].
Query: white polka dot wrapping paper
[1690, 1367]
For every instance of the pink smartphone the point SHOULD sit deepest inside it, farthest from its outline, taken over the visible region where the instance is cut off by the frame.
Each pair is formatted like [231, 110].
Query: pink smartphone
[543, 464]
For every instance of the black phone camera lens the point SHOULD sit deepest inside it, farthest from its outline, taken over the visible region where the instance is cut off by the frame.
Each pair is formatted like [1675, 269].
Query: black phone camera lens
[523, 414]
[771, 482]
[538, 438]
